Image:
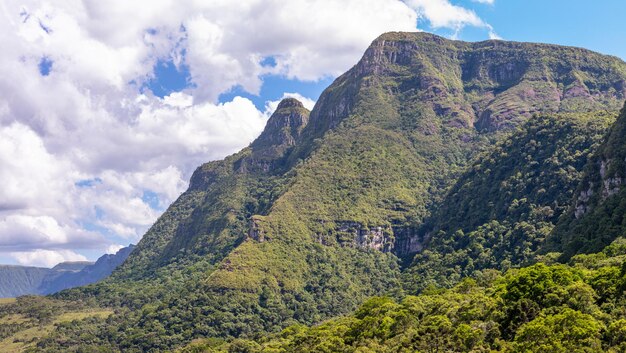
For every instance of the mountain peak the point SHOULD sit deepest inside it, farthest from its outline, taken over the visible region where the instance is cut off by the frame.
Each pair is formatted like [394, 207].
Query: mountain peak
[285, 125]
[72, 265]
[491, 85]
[289, 103]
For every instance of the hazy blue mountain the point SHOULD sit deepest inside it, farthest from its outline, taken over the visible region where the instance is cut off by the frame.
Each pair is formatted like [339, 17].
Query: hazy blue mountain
[20, 280]
[23, 280]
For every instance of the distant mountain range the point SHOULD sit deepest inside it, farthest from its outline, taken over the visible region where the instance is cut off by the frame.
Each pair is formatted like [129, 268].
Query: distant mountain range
[22, 280]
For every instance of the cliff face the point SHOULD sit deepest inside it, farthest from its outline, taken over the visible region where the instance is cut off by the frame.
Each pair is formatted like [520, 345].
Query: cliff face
[491, 85]
[21, 280]
[305, 220]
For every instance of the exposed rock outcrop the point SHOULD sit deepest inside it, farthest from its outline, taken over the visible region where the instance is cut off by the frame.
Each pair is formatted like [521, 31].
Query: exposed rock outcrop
[256, 231]
[402, 241]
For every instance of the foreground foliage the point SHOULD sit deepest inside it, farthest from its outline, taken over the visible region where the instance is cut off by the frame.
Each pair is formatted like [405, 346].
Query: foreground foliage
[577, 307]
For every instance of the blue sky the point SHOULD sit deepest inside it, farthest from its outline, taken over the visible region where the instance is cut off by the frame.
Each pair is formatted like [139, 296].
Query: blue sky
[104, 114]
[595, 25]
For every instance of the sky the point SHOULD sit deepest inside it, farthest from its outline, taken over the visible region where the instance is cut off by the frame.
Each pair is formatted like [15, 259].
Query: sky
[107, 107]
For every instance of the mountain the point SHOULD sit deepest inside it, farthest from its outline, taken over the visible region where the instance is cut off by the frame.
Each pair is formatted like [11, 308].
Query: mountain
[500, 211]
[598, 212]
[438, 101]
[24, 280]
[20, 280]
[91, 273]
[313, 217]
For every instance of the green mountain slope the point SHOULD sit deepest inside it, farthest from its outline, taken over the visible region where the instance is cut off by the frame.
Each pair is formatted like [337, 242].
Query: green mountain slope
[501, 210]
[598, 212]
[212, 216]
[542, 308]
[310, 219]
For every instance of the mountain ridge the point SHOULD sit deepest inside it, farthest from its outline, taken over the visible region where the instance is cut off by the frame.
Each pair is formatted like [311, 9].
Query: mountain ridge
[309, 220]
[16, 280]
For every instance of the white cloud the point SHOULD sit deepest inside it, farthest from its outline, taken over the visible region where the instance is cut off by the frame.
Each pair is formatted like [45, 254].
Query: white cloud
[443, 14]
[88, 161]
[270, 106]
[46, 258]
[309, 39]
[22, 232]
[489, 2]
[114, 248]
[28, 173]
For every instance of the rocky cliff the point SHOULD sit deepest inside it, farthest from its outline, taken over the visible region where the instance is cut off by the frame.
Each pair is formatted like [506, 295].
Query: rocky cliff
[488, 85]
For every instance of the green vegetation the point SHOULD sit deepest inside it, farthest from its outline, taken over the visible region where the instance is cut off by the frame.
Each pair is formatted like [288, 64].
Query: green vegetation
[541, 308]
[501, 210]
[600, 202]
[26, 320]
[305, 224]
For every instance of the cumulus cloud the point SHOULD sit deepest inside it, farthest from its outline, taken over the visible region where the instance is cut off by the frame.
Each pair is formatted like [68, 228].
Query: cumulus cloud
[46, 258]
[308, 39]
[89, 157]
[29, 173]
[113, 249]
[443, 14]
[23, 232]
[271, 106]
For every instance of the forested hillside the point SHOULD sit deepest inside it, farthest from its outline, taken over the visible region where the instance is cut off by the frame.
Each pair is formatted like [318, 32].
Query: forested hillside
[597, 215]
[501, 210]
[554, 308]
[429, 161]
